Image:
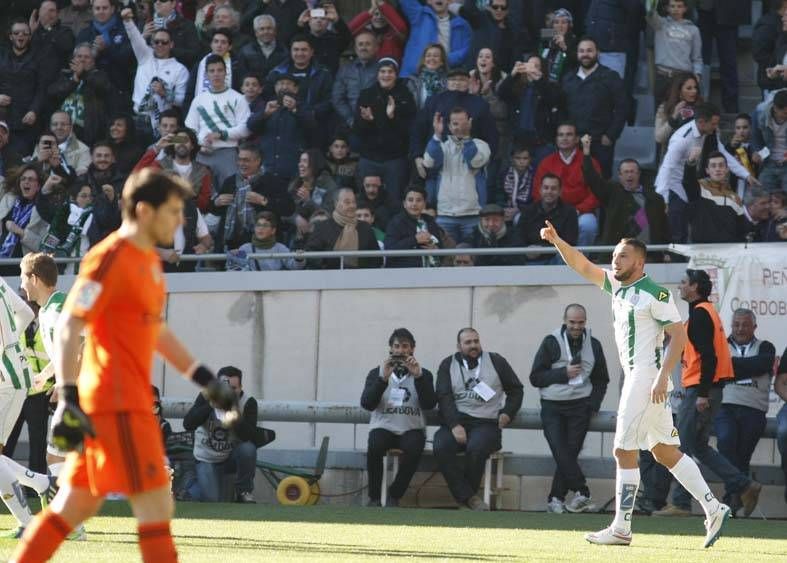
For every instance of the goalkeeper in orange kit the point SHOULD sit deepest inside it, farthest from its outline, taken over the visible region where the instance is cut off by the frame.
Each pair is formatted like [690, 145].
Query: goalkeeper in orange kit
[118, 301]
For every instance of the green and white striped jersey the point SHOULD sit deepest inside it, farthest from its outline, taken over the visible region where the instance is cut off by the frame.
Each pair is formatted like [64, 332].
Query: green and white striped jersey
[640, 311]
[47, 320]
[15, 315]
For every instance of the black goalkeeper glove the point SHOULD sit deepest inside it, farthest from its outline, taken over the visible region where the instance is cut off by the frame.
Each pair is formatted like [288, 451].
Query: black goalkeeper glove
[218, 394]
[70, 423]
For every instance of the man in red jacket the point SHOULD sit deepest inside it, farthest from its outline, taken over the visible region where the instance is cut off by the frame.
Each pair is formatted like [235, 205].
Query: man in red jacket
[566, 164]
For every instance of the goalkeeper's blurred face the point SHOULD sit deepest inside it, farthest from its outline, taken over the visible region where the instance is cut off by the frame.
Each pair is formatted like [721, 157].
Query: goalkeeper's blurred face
[160, 224]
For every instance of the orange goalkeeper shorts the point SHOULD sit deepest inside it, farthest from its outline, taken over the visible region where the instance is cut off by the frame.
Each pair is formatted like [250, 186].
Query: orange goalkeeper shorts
[126, 456]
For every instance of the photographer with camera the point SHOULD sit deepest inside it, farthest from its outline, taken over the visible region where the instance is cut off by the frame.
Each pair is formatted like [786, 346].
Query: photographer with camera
[219, 450]
[570, 372]
[479, 395]
[397, 393]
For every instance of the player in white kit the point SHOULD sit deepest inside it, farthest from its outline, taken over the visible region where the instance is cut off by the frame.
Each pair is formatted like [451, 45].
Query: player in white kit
[642, 312]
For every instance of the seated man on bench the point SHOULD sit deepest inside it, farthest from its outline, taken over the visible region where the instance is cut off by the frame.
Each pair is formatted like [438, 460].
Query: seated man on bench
[478, 394]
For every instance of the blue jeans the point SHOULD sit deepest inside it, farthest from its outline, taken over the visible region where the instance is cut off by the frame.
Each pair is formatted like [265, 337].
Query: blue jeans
[694, 430]
[781, 437]
[243, 460]
[588, 229]
[773, 178]
[738, 429]
[458, 228]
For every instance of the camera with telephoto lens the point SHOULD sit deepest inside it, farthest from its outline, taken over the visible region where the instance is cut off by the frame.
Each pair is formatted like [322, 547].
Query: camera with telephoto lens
[399, 365]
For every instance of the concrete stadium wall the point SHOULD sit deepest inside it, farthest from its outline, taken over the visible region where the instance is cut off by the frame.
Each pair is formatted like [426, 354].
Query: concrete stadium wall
[315, 335]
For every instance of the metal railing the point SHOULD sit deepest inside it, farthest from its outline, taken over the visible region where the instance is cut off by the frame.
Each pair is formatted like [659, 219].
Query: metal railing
[351, 413]
[341, 255]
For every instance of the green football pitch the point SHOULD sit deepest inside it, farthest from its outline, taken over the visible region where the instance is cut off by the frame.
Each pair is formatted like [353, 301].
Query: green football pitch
[224, 533]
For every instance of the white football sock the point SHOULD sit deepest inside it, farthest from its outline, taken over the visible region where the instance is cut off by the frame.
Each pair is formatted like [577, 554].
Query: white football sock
[56, 468]
[688, 474]
[36, 481]
[13, 497]
[626, 485]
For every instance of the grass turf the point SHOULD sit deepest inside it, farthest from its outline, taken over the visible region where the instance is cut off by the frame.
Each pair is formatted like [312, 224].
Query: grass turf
[225, 533]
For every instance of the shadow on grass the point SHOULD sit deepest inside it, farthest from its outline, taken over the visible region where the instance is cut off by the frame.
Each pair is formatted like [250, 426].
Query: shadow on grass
[421, 517]
[312, 548]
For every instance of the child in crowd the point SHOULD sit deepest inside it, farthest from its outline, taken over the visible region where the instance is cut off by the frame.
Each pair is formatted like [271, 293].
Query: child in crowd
[341, 162]
[515, 184]
[68, 229]
[251, 88]
[263, 240]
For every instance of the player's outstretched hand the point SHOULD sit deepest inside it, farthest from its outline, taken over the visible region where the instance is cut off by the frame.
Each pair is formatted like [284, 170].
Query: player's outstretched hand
[70, 423]
[549, 233]
[658, 391]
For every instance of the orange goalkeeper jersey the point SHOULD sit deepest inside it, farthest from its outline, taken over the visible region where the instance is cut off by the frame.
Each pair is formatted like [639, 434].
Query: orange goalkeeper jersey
[120, 294]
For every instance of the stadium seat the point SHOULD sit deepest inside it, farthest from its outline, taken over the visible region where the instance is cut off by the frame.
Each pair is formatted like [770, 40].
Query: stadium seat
[495, 459]
[637, 143]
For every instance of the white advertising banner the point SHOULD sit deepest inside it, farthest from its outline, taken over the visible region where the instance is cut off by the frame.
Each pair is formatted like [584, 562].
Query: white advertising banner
[751, 277]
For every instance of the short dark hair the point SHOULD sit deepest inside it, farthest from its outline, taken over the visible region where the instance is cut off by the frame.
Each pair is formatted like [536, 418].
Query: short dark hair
[519, 147]
[172, 113]
[701, 279]
[253, 75]
[550, 176]
[302, 38]
[41, 266]
[230, 371]
[567, 123]
[459, 109]
[706, 111]
[163, 30]
[364, 204]
[715, 154]
[780, 99]
[215, 59]
[588, 38]
[401, 334]
[462, 331]
[636, 244]
[225, 31]
[268, 216]
[628, 161]
[250, 146]
[103, 143]
[747, 117]
[151, 186]
[417, 189]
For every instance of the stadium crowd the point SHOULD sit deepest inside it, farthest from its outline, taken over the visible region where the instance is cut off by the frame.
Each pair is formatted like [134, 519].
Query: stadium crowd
[402, 126]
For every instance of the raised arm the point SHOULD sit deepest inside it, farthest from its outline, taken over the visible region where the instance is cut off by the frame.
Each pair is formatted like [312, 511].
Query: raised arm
[573, 257]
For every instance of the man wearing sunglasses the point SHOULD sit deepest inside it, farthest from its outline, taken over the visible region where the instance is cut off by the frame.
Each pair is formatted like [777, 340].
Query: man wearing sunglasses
[160, 82]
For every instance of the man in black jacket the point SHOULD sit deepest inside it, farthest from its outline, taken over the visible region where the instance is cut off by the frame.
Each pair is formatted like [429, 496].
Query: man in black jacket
[115, 56]
[218, 449]
[549, 208]
[9, 158]
[570, 372]
[245, 194]
[50, 35]
[266, 51]
[632, 210]
[492, 232]
[342, 231]
[22, 87]
[382, 120]
[471, 385]
[596, 101]
[397, 393]
[286, 13]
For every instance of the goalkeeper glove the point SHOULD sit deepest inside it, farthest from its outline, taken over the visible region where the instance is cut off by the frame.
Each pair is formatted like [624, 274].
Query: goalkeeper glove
[70, 423]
